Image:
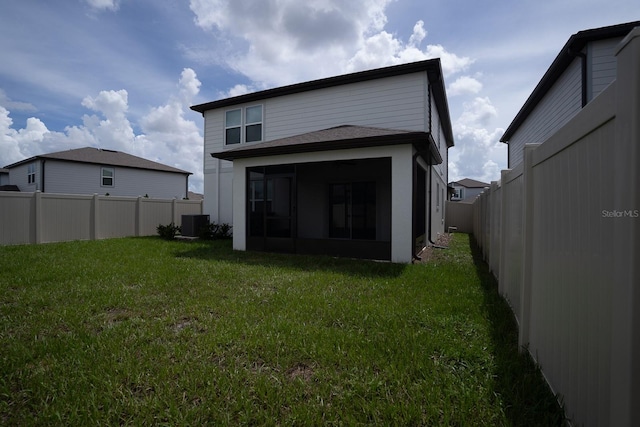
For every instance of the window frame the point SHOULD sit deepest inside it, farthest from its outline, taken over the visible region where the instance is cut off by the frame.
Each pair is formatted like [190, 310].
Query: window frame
[31, 173]
[103, 177]
[244, 125]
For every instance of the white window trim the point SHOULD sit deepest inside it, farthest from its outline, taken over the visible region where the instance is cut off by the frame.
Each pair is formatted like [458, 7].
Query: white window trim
[102, 176]
[31, 173]
[243, 124]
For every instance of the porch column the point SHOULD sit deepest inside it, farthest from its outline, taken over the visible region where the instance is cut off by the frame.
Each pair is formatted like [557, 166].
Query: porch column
[239, 206]
[401, 204]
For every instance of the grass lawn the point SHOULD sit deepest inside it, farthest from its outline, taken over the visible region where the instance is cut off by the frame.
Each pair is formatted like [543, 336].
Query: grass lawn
[142, 331]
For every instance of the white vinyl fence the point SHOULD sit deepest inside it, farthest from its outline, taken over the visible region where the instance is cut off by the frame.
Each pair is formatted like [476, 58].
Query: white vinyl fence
[561, 232]
[47, 217]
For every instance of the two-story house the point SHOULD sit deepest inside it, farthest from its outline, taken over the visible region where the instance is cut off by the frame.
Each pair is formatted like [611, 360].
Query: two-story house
[466, 189]
[98, 171]
[583, 68]
[353, 165]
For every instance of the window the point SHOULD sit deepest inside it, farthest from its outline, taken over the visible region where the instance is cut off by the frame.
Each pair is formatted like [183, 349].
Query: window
[243, 125]
[107, 177]
[253, 123]
[233, 126]
[31, 173]
[458, 193]
[352, 210]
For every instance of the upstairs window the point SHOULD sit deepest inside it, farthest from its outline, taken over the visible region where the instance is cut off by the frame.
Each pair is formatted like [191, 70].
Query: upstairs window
[233, 126]
[253, 124]
[31, 173]
[243, 125]
[107, 177]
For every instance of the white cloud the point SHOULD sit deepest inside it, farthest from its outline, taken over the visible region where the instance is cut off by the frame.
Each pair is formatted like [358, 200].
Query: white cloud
[8, 103]
[464, 85]
[478, 154]
[167, 136]
[278, 42]
[112, 5]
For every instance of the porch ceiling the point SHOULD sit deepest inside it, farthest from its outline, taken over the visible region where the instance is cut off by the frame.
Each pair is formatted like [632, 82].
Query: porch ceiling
[337, 138]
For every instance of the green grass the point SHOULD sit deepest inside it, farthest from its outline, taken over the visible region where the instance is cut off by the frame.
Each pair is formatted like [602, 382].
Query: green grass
[141, 331]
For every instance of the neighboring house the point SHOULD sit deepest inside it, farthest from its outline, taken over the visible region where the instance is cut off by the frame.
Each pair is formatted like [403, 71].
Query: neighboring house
[467, 189]
[353, 165]
[583, 68]
[98, 171]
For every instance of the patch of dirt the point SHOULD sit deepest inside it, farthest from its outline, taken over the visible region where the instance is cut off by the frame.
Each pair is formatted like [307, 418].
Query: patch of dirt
[300, 371]
[429, 253]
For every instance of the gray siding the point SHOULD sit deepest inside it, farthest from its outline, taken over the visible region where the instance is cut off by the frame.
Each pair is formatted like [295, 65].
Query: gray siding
[601, 66]
[82, 178]
[559, 105]
[395, 102]
[18, 176]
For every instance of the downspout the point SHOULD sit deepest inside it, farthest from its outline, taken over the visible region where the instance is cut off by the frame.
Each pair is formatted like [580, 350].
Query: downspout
[583, 66]
[414, 204]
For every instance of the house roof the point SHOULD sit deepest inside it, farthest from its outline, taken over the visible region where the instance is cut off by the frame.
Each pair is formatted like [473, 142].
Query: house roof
[470, 183]
[431, 66]
[571, 49]
[3, 170]
[337, 138]
[103, 157]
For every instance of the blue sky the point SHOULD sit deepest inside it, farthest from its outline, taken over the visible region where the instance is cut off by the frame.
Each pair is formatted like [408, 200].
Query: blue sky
[121, 74]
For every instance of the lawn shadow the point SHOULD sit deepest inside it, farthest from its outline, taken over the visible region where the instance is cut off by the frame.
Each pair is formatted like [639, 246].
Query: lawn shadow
[525, 396]
[221, 250]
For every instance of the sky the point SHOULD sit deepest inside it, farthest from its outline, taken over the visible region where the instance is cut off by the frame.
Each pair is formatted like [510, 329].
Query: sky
[122, 74]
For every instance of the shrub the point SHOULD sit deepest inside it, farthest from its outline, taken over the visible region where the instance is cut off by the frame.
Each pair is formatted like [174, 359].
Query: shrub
[168, 231]
[215, 231]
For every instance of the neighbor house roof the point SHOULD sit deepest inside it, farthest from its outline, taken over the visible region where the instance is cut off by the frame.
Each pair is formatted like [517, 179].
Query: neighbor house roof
[3, 170]
[470, 183]
[337, 138]
[571, 49]
[431, 67]
[103, 157]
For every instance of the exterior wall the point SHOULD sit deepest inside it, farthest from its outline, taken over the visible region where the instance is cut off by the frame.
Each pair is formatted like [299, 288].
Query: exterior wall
[83, 178]
[558, 106]
[601, 67]
[4, 178]
[49, 217]
[18, 176]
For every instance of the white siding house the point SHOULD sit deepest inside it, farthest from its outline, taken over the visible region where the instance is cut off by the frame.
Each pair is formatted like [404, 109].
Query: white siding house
[97, 171]
[583, 68]
[351, 165]
[467, 189]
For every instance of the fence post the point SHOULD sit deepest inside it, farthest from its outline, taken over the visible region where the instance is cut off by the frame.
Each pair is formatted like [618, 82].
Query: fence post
[37, 216]
[625, 273]
[138, 216]
[503, 231]
[527, 225]
[95, 218]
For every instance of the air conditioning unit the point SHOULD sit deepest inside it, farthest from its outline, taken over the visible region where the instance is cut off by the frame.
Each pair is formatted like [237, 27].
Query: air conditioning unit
[192, 224]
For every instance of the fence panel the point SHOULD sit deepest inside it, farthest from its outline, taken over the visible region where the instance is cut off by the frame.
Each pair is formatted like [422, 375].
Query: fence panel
[459, 215]
[17, 213]
[47, 217]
